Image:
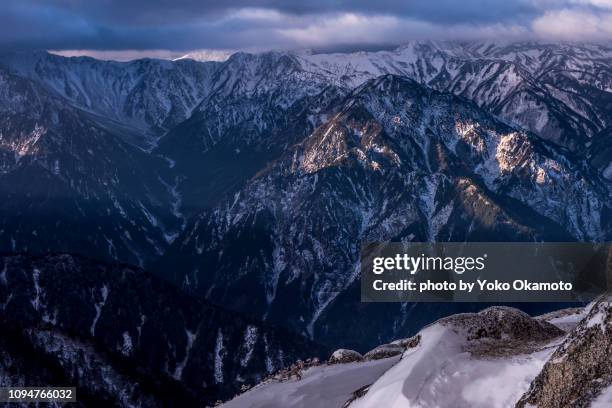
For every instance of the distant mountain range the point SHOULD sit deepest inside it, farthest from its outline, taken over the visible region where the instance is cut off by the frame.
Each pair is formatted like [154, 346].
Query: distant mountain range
[251, 183]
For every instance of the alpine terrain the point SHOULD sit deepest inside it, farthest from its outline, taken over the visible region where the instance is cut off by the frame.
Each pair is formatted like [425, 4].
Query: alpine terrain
[246, 188]
[497, 358]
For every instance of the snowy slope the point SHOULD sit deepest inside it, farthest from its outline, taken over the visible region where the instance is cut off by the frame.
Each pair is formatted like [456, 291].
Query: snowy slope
[322, 386]
[453, 367]
[445, 371]
[488, 359]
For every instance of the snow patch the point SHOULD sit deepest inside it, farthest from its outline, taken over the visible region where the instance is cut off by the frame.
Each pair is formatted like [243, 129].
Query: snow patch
[250, 338]
[178, 373]
[98, 306]
[607, 173]
[321, 386]
[36, 302]
[127, 346]
[604, 400]
[219, 355]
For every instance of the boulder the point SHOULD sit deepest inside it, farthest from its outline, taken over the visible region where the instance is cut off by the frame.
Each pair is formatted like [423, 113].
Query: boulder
[343, 356]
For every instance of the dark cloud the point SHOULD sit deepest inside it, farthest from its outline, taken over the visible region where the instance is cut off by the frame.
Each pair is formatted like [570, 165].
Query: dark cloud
[239, 24]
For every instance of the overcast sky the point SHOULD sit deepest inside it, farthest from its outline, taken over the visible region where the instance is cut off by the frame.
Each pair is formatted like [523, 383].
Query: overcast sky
[168, 28]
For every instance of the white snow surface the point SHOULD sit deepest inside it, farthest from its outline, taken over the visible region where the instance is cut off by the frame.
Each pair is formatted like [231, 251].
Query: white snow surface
[219, 355]
[439, 373]
[565, 319]
[98, 306]
[604, 400]
[322, 386]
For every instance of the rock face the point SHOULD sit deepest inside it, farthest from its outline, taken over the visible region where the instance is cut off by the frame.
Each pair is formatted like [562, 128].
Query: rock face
[383, 351]
[502, 323]
[580, 368]
[410, 342]
[343, 356]
[124, 337]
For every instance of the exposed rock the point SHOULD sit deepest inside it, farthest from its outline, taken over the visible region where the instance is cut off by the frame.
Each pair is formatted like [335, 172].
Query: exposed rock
[501, 322]
[294, 371]
[580, 368]
[410, 342]
[384, 351]
[343, 356]
[501, 331]
[358, 393]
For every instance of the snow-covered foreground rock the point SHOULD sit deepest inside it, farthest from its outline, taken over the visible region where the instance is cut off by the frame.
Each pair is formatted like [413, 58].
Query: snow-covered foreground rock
[500, 357]
[475, 360]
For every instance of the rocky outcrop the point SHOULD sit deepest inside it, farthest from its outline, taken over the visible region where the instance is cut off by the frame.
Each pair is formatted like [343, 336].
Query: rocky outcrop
[502, 323]
[384, 351]
[580, 368]
[410, 342]
[342, 356]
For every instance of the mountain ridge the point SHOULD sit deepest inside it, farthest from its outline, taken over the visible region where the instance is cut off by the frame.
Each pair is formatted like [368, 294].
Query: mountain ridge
[395, 161]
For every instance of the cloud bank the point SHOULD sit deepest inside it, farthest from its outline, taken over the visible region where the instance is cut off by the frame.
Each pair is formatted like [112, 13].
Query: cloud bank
[172, 28]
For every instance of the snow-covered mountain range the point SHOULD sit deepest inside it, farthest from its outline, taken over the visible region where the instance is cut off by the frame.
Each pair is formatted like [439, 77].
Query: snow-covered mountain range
[394, 160]
[250, 183]
[144, 97]
[560, 91]
[71, 183]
